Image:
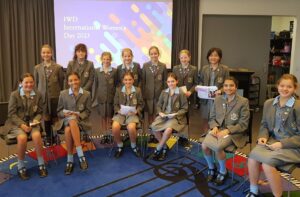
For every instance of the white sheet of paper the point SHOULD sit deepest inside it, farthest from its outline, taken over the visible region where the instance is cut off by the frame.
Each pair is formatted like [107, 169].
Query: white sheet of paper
[66, 111]
[126, 109]
[31, 124]
[183, 89]
[206, 92]
[171, 115]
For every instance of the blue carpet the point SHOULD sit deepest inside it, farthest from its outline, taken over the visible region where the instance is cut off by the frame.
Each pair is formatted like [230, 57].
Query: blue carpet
[180, 175]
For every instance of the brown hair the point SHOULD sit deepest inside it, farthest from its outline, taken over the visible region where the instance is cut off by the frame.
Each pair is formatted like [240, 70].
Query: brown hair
[154, 47]
[127, 50]
[73, 73]
[214, 49]
[47, 46]
[231, 78]
[25, 75]
[288, 77]
[185, 51]
[128, 73]
[172, 75]
[80, 47]
[106, 53]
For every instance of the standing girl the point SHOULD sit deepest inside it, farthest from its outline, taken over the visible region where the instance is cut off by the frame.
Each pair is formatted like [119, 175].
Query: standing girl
[172, 107]
[82, 66]
[127, 95]
[74, 108]
[25, 111]
[211, 75]
[104, 89]
[278, 138]
[129, 66]
[228, 123]
[154, 75]
[49, 80]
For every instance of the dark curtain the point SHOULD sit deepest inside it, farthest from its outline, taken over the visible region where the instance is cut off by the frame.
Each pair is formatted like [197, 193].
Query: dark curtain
[185, 29]
[25, 25]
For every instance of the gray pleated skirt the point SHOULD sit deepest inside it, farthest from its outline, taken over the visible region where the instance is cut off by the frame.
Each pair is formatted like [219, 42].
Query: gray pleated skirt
[161, 124]
[216, 144]
[205, 108]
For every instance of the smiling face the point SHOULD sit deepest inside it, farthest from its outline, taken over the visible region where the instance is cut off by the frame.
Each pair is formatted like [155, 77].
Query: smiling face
[214, 58]
[229, 87]
[106, 60]
[154, 55]
[172, 82]
[184, 58]
[127, 57]
[286, 88]
[28, 84]
[74, 82]
[46, 54]
[128, 81]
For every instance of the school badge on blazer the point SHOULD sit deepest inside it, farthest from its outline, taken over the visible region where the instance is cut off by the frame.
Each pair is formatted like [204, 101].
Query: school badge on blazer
[234, 116]
[86, 74]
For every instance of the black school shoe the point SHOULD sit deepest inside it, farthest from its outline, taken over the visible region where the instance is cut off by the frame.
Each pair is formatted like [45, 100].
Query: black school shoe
[221, 178]
[163, 154]
[211, 175]
[43, 171]
[136, 151]
[250, 194]
[83, 163]
[22, 173]
[119, 152]
[69, 168]
[155, 155]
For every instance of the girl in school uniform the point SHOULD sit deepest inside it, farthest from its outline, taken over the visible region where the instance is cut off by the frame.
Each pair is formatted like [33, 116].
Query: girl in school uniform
[154, 75]
[25, 111]
[104, 89]
[74, 108]
[172, 107]
[128, 95]
[186, 73]
[82, 66]
[49, 80]
[278, 141]
[228, 123]
[129, 66]
[212, 74]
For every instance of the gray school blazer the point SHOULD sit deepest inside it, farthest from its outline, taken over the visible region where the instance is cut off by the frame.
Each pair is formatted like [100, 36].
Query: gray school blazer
[81, 104]
[236, 120]
[137, 74]
[55, 82]
[190, 79]
[221, 73]
[179, 105]
[291, 122]
[17, 110]
[136, 99]
[153, 81]
[86, 73]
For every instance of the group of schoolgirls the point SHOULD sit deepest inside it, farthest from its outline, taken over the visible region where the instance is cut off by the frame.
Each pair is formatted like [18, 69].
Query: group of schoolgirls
[68, 104]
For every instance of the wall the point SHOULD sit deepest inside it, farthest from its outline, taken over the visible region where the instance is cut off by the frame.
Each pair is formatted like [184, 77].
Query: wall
[280, 23]
[256, 8]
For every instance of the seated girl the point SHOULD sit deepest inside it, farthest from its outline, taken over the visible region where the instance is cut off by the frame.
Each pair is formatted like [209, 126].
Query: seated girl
[278, 141]
[25, 111]
[228, 123]
[172, 107]
[74, 108]
[127, 95]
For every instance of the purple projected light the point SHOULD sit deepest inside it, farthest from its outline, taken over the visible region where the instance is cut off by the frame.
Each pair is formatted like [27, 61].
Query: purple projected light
[113, 25]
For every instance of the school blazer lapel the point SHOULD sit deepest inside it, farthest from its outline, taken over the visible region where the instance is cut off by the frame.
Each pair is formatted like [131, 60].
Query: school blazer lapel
[285, 114]
[272, 114]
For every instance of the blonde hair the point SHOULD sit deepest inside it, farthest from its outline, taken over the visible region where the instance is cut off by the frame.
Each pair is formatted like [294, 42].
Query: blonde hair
[288, 77]
[154, 47]
[127, 50]
[106, 53]
[47, 46]
[185, 51]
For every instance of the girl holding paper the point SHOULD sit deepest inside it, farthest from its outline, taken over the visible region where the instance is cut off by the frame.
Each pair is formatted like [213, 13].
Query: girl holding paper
[278, 141]
[212, 74]
[104, 89]
[25, 111]
[228, 123]
[74, 108]
[130, 96]
[172, 107]
[154, 75]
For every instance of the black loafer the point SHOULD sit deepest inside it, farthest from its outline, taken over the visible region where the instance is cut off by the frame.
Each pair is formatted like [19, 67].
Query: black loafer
[221, 178]
[136, 151]
[250, 194]
[43, 171]
[83, 163]
[155, 155]
[211, 175]
[22, 173]
[163, 155]
[119, 152]
[69, 168]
